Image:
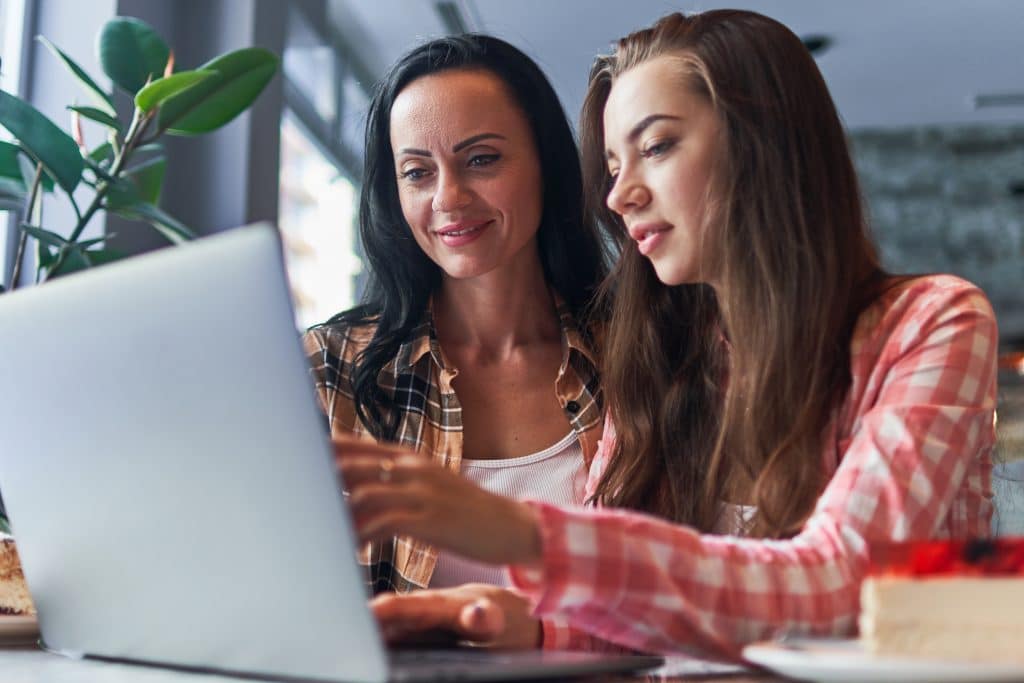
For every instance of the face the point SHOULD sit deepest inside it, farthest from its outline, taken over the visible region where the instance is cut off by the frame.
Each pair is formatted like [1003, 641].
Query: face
[661, 141]
[468, 173]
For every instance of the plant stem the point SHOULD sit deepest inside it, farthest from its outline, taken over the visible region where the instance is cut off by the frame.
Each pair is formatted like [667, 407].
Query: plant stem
[23, 238]
[136, 130]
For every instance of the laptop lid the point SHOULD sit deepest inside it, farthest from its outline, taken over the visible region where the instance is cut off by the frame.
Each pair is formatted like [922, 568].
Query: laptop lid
[159, 522]
[171, 486]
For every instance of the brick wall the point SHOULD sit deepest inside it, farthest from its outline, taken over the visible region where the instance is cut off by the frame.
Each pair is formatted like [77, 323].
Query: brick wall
[951, 199]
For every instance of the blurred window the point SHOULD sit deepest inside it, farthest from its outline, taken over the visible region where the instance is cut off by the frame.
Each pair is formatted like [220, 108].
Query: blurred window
[321, 160]
[12, 29]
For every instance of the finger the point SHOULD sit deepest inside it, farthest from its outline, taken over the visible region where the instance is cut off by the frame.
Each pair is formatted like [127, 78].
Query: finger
[439, 611]
[384, 525]
[344, 447]
[359, 470]
[429, 609]
[374, 498]
[481, 620]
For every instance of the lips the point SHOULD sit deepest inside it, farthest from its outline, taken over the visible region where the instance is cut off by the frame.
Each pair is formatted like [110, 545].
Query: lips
[458, 234]
[649, 235]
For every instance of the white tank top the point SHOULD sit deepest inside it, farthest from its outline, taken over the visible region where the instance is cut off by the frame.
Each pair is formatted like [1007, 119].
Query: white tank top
[555, 475]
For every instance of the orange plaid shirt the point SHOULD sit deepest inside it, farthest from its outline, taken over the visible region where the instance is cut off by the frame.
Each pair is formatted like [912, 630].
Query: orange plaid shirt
[909, 458]
[419, 380]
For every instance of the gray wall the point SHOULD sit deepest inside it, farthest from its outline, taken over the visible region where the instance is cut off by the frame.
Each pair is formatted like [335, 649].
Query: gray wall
[951, 199]
[230, 177]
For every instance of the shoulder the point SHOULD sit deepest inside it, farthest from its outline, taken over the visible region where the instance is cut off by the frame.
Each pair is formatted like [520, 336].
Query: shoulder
[910, 309]
[341, 338]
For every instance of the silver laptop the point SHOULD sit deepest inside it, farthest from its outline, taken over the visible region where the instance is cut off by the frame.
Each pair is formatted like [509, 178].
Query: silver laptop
[171, 485]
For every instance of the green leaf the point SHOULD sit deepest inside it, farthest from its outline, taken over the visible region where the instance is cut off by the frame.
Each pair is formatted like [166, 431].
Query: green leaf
[98, 257]
[12, 192]
[45, 142]
[241, 76]
[45, 257]
[131, 52]
[45, 236]
[148, 178]
[85, 244]
[5, 526]
[104, 152]
[9, 161]
[99, 171]
[79, 258]
[74, 261]
[154, 94]
[98, 93]
[166, 225]
[140, 184]
[99, 116]
[28, 173]
[150, 147]
[12, 187]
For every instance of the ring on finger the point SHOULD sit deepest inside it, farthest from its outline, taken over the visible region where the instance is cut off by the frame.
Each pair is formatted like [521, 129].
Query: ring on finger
[387, 465]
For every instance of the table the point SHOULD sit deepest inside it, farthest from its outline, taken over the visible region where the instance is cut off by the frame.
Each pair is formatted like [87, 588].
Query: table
[28, 664]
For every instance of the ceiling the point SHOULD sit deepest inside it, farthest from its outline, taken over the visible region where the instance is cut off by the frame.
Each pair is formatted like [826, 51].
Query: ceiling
[891, 64]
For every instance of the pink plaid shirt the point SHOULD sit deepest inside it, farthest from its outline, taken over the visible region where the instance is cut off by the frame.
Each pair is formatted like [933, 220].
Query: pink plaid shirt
[911, 460]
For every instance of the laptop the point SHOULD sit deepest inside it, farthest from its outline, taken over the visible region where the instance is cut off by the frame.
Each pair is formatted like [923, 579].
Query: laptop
[171, 485]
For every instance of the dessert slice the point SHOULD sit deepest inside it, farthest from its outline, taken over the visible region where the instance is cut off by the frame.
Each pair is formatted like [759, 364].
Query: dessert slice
[14, 595]
[954, 600]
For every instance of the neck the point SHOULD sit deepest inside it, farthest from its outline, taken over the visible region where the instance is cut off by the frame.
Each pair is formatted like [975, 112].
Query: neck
[496, 312]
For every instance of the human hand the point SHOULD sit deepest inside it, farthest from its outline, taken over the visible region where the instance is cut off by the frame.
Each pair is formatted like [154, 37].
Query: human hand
[481, 614]
[392, 491]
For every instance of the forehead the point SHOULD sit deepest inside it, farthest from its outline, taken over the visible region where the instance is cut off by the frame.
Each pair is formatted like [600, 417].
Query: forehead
[656, 86]
[449, 106]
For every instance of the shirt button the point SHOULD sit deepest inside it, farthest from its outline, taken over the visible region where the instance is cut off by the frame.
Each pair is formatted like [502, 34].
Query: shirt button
[573, 407]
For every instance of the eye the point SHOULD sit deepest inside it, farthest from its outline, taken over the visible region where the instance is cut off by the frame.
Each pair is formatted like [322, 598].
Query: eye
[480, 160]
[414, 173]
[658, 148]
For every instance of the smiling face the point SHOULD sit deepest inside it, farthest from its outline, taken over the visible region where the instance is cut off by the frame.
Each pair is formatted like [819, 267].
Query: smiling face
[661, 142]
[468, 173]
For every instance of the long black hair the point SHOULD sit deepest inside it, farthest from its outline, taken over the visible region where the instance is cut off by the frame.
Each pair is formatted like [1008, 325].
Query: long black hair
[401, 276]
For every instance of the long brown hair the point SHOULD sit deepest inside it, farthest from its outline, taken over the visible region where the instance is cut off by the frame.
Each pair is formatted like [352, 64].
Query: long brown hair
[731, 398]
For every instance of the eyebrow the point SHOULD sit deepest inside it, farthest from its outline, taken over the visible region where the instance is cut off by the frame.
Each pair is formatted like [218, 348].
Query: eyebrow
[457, 148]
[643, 125]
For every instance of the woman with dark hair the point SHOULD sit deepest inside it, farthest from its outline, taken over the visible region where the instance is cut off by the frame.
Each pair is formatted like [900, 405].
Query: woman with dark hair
[777, 402]
[470, 346]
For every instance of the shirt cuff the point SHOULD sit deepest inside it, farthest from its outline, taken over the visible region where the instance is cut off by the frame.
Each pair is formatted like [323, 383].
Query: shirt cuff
[571, 571]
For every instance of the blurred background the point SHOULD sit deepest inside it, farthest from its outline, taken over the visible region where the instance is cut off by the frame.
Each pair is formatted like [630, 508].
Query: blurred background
[932, 94]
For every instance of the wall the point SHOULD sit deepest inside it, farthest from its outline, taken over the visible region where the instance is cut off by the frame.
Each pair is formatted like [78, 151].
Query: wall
[951, 199]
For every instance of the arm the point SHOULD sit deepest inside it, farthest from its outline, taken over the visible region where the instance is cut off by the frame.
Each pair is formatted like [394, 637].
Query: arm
[652, 585]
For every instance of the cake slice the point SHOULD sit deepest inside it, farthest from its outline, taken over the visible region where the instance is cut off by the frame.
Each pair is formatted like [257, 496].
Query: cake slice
[14, 595]
[952, 600]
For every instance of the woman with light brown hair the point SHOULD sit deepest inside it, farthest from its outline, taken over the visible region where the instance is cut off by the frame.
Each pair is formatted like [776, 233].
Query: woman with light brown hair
[777, 402]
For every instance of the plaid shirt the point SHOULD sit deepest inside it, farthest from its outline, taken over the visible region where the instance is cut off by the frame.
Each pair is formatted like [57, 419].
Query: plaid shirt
[419, 380]
[909, 459]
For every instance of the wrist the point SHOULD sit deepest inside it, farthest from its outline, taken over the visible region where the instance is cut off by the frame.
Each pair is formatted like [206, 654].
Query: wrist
[529, 546]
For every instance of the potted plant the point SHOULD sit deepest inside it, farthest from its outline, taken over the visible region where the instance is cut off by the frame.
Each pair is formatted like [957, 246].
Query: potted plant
[125, 172]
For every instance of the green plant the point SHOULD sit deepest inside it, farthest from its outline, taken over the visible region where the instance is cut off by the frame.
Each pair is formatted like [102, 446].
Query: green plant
[126, 172]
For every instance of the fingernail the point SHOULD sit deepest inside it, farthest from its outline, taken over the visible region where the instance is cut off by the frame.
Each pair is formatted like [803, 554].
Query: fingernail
[476, 613]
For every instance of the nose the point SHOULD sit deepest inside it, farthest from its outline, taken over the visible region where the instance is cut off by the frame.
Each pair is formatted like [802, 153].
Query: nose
[628, 193]
[450, 194]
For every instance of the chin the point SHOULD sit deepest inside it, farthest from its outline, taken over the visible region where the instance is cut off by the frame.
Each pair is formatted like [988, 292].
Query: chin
[671, 276]
[465, 271]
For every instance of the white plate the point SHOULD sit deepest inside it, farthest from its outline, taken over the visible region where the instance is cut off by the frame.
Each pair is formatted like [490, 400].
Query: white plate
[18, 629]
[843, 661]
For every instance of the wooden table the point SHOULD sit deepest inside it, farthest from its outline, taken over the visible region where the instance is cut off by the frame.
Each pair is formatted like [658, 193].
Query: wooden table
[28, 664]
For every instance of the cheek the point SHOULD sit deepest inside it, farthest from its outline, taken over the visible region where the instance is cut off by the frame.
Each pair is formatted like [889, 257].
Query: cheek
[415, 209]
[523, 195]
